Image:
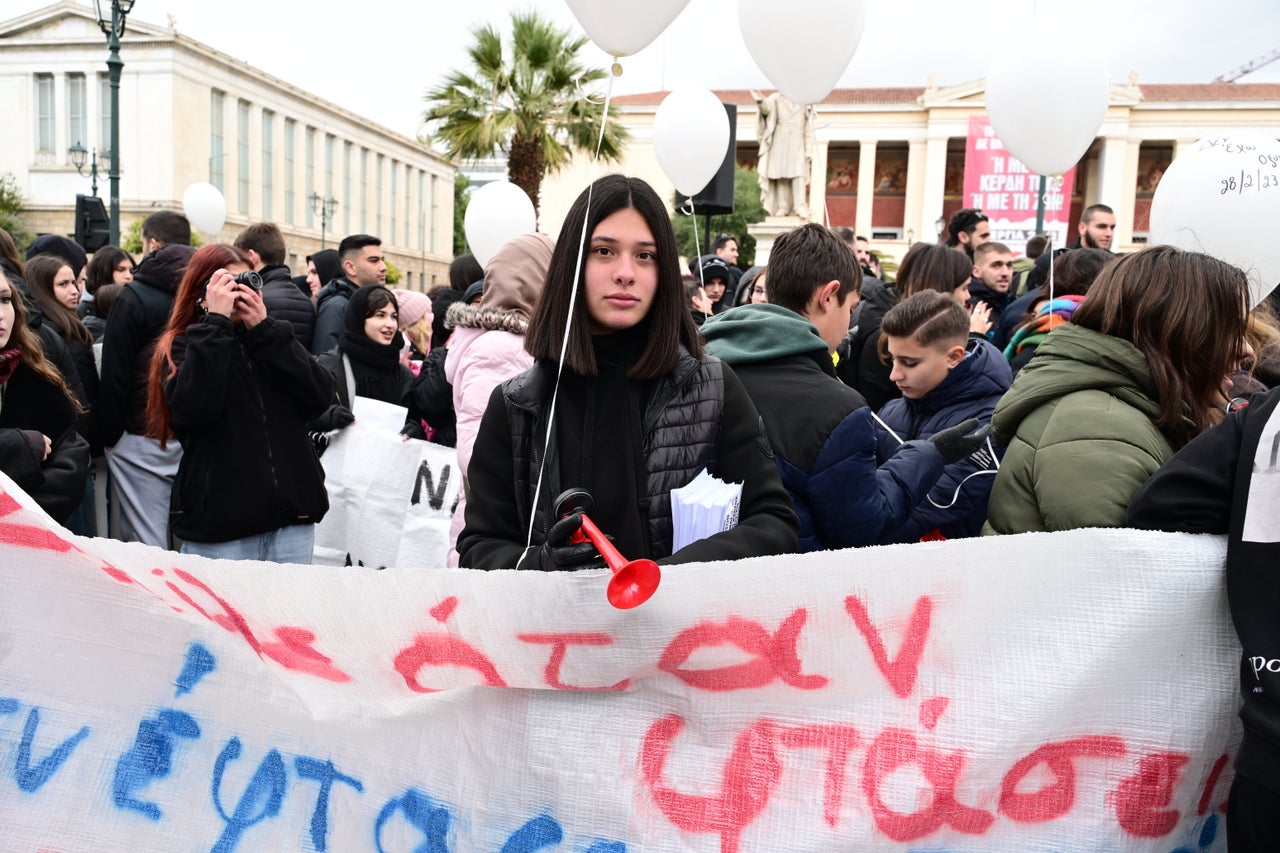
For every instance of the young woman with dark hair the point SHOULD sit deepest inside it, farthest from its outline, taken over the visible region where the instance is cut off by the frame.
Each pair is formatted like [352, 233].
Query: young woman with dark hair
[39, 446]
[638, 409]
[366, 363]
[52, 283]
[237, 389]
[1139, 371]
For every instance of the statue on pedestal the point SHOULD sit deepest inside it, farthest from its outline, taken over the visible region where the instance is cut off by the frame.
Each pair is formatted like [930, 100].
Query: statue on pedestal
[785, 131]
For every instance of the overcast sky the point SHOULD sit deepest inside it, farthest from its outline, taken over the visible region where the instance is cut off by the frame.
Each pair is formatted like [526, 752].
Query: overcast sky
[377, 57]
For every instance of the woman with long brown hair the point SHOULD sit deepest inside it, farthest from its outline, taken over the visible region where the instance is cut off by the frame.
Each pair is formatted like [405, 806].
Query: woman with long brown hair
[1139, 371]
[237, 389]
[639, 409]
[39, 446]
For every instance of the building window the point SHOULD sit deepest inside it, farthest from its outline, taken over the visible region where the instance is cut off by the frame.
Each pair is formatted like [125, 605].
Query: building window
[431, 223]
[45, 142]
[347, 148]
[290, 130]
[309, 158]
[328, 167]
[377, 195]
[268, 161]
[77, 118]
[364, 191]
[422, 216]
[104, 110]
[217, 153]
[395, 198]
[242, 146]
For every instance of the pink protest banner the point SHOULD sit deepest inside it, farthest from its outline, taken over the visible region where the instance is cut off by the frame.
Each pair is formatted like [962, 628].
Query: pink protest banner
[999, 185]
[1073, 691]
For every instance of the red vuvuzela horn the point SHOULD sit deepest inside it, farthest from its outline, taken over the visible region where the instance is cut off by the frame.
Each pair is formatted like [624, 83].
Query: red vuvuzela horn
[634, 581]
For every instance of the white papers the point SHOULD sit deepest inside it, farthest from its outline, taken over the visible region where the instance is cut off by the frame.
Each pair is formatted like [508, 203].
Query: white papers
[706, 506]
[379, 415]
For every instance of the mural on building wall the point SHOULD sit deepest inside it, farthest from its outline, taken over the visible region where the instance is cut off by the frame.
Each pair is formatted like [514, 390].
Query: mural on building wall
[891, 172]
[953, 183]
[842, 173]
[1152, 163]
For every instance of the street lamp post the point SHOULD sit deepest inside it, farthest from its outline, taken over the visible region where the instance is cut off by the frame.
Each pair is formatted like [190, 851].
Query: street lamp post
[113, 26]
[323, 208]
[78, 157]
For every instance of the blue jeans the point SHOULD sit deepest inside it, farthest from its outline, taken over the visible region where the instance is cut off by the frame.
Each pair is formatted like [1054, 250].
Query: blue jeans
[292, 544]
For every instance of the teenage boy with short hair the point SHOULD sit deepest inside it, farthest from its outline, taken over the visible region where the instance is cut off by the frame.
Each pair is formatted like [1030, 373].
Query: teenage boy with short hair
[946, 378]
[821, 429]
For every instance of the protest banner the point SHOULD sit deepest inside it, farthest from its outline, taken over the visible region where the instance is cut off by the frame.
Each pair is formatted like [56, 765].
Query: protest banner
[390, 500]
[999, 185]
[1069, 691]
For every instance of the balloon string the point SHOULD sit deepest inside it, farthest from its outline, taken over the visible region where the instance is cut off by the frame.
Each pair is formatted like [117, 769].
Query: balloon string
[568, 323]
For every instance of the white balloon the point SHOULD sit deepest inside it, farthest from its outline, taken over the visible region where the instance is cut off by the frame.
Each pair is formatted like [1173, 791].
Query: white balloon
[1222, 197]
[621, 29]
[497, 212]
[1047, 97]
[802, 46]
[205, 207]
[690, 137]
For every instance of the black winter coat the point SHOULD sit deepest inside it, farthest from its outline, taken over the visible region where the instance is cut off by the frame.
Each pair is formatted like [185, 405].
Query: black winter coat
[30, 403]
[860, 366]
[495, 529]
[138, 316]
[285, 302]
[331, 315]
[239, 404]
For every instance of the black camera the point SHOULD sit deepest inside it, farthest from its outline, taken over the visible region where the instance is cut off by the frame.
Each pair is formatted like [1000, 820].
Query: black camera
[251, 279]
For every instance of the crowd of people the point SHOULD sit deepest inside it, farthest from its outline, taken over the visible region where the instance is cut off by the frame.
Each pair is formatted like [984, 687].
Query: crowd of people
[979, 391]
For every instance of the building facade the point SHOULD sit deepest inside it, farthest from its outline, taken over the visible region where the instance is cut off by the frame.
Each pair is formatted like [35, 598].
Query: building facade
[889, 163]
[190, 113]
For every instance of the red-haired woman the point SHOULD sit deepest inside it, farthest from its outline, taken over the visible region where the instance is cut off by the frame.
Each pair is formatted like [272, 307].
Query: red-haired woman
[237, 389]
[39, 447]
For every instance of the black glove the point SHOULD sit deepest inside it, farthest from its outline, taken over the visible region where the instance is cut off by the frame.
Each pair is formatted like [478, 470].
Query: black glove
[960, 441]
[336, 416]
[413, 429]
[557, 553]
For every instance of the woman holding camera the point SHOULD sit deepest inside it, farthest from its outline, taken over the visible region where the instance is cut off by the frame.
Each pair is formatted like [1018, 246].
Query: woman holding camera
[237, 389]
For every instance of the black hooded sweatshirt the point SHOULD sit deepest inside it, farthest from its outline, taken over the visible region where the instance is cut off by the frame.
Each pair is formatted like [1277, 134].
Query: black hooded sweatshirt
[139, 315]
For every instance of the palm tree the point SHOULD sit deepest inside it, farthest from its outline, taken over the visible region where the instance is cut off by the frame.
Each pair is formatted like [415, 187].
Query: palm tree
[528, 100]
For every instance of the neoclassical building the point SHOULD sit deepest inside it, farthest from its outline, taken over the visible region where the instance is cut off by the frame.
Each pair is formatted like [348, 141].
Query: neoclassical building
[890, 162]
[191, 113]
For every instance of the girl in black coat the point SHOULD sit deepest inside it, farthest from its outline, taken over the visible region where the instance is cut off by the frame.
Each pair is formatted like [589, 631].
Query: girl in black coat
[366, 362]
[39, 447]
[237, 390]
[639, 410]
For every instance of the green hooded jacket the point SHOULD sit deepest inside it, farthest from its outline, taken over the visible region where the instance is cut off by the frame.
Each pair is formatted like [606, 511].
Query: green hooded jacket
[1079, 426]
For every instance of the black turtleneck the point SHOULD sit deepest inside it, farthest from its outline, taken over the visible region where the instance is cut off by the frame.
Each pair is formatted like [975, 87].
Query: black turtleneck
[599, 437]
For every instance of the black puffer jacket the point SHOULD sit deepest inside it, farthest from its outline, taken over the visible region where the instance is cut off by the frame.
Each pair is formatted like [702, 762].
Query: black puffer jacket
[697, 416]
[285, 302]
[239, 404]
[138, 316]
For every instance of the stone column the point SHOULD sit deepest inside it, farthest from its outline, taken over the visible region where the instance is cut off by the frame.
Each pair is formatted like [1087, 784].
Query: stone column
[913, 211]
[1117, 184]
[818, 184]
[935, 181]
[866, 186]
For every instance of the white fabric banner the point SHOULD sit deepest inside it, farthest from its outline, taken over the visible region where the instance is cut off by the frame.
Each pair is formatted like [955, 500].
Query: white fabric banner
[390, 500]
[1072, 691]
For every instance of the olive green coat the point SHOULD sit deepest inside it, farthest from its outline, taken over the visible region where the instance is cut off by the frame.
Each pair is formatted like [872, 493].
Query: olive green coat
[1078, 425]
